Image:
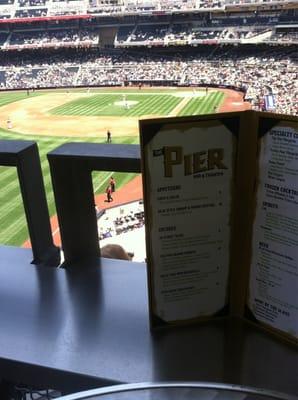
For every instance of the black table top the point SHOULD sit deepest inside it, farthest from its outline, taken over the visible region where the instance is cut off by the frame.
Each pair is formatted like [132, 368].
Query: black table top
[93, 326]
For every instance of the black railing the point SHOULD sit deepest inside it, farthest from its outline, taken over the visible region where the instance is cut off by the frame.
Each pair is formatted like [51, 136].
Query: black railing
[71, 167]
[24, 156]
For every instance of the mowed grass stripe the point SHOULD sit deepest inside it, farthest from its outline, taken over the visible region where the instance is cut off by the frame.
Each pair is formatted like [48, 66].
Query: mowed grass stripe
[12, 217]
[83, 105]
[10, 189]
[5, 173]
[101, 180]
[220, 99]
[17, 230]
[97, 106]
[104, 105]
[164, 105]
[7, 98]
[209, 104]
[147, 105]
[158, 105]
[173, 102]
[191, 107]
[18, 234]
[203, 105]
[12, 212]
[8, 175]
[91, 106]
[8, 185]
[212, 103]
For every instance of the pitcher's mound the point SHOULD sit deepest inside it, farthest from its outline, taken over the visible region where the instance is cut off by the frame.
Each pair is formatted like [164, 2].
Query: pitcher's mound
[127, 103]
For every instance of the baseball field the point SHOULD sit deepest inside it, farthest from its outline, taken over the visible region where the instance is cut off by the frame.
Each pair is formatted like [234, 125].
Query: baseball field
[53, 117]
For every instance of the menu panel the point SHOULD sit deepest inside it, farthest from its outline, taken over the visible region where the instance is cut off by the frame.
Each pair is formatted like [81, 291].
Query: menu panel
[189, 183]
[273, 284]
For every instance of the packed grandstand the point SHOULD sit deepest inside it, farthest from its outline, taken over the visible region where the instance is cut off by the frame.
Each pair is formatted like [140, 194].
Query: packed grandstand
[250, 45]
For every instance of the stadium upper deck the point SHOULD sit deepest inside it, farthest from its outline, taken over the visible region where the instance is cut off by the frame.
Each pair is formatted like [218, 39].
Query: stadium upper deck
[27, 9]
[116, 26]
[30, 25]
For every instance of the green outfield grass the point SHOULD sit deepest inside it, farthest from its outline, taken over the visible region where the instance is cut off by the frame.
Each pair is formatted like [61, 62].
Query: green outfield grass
[13, 228]
[106, 105]
[138, 104]
[10, 97]
[202, 105]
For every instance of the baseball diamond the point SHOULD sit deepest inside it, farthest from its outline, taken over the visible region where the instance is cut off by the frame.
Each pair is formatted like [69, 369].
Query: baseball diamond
[53, 117]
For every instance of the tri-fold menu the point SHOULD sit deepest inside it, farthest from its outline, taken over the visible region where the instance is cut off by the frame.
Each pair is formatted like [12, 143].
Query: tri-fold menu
[221, 208]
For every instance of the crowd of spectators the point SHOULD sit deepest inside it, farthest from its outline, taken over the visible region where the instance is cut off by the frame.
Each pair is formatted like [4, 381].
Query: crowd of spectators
[30, 12]
[148, 33]
[285, 36]
[259, 71]
[212, 3]
[122, 225]
[125, 223]
[3, 38]
[236, 2]
[6, 2]
[163, 34]
[31, 3]
[24, 7]
[58, 36]
[190, 33]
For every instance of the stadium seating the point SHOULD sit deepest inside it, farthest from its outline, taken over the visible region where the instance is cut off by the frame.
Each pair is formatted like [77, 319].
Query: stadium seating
[31, 13]
[123, 33]
[3, 38]
[42, 8]
[257, 68]
[139, 32]
[59, 36]
[285, 36]
[150, 33]
[31, 3]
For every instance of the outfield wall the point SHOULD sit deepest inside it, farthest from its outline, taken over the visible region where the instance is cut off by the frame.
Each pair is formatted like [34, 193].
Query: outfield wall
[134, 84]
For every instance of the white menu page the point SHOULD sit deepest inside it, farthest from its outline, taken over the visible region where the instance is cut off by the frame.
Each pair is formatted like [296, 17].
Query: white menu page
[190, 182]
[273, 286]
